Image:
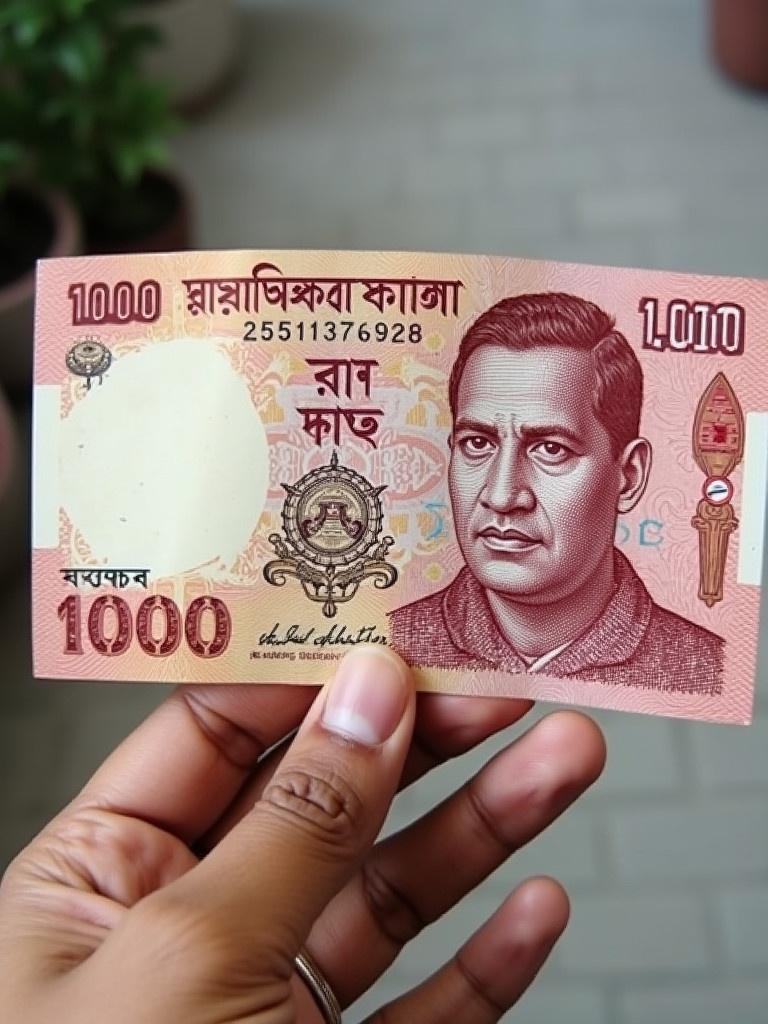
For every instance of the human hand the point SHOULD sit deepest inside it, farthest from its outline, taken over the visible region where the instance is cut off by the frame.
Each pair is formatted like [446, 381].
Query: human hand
[182, 881]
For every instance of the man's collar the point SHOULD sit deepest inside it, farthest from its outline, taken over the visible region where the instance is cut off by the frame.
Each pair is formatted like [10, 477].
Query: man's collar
[612, 639]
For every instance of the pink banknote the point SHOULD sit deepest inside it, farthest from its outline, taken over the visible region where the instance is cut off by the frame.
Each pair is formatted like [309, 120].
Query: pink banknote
[530, 479]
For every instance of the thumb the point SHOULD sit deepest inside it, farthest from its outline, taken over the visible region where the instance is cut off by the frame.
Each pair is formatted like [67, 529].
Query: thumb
[268, 880]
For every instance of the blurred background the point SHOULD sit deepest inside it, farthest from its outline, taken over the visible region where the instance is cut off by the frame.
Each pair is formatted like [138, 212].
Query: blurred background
[629, 132]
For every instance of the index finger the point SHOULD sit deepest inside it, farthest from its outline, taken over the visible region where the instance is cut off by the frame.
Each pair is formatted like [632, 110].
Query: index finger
[446, 726]
[185, 763]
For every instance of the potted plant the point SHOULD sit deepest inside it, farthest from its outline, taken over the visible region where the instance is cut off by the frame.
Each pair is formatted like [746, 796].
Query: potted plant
[740, 40]
[33, 223]
[197, 53]
[90, 122]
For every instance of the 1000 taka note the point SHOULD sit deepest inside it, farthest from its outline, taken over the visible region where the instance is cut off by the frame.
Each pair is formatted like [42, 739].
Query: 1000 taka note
[530, 479]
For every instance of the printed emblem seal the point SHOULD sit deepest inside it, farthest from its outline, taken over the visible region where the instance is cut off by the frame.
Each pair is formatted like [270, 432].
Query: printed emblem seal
[332, 523]
[89, 358]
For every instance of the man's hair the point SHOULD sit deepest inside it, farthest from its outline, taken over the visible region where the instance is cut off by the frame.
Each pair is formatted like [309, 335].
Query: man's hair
[565, 321]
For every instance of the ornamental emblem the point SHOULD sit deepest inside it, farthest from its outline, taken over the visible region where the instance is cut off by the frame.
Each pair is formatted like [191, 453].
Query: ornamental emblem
[331, 542]
[718, 448]
[89, 358]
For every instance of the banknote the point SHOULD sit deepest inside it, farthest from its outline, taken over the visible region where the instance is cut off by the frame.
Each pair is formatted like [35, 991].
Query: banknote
[530, 479]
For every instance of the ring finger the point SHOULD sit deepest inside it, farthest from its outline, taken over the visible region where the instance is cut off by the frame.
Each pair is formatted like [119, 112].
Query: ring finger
[494, 968]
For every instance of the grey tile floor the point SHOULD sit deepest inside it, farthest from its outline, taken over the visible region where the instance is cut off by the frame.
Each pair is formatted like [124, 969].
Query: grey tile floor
[591, 130]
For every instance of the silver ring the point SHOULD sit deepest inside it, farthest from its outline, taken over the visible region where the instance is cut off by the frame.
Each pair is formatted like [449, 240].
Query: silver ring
[322, 993]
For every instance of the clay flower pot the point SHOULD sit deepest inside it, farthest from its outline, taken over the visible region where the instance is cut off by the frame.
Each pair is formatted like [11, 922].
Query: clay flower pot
[198, 50]
[155, 217]
[740, 40]
[33, 224]
[14, 489]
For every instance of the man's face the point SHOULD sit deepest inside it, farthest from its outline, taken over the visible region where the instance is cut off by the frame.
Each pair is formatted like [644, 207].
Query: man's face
[534, 484]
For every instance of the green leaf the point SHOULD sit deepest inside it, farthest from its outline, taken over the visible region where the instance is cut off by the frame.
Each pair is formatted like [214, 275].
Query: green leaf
[81, 54]
[135, 38]
[15, 13]
[10, 152]
[29, 29]
[74, 8]
[74, 98]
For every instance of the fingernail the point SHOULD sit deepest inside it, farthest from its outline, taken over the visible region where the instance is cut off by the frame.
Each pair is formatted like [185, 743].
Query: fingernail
[367, 698]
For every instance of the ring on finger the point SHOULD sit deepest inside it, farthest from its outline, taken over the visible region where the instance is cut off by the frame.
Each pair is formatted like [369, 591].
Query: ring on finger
[321, 991]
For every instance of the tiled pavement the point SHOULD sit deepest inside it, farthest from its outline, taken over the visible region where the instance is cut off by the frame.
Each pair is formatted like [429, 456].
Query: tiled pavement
[591, 130]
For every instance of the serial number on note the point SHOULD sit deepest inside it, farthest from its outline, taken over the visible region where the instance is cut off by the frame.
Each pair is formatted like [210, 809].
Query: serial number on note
[333, 330]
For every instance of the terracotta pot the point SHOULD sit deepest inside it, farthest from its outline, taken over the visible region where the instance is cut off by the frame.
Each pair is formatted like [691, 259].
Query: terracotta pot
[7, 445]
[14, 491]
[198, 53]
[169, 231]
[17, 297]
[740, 40]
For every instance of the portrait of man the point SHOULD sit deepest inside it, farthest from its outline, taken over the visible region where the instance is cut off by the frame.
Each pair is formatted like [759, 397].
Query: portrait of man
[546, 453]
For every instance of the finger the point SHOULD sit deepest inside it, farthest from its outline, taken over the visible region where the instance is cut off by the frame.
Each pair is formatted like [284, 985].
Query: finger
[415, 876]
[446, 726]
[182, 767]
[260, 890]
[494, 968]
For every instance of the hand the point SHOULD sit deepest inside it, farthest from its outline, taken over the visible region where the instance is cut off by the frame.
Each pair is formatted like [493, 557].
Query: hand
[181, 882]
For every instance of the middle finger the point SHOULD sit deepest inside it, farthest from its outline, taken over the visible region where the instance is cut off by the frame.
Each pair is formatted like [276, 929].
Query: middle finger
[412, 878]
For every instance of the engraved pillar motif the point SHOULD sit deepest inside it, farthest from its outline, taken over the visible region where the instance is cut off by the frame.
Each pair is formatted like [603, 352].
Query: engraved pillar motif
[718, 447]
